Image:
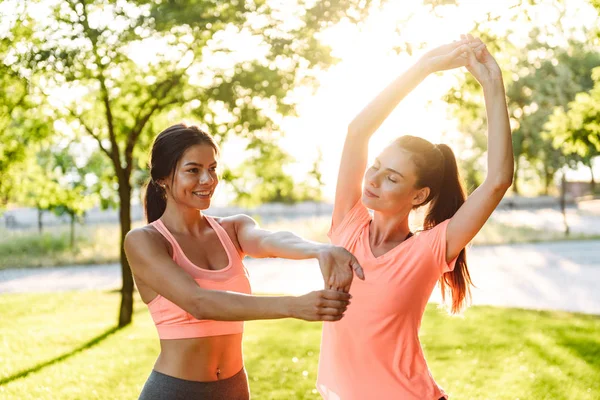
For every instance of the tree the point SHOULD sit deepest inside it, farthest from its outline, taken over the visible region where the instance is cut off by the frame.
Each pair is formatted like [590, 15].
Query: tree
[576, 128]
[549, 83]
[50, 181]
[75, 196]
[545, 76]
[261, 178]
[195, 67]
[21, 123]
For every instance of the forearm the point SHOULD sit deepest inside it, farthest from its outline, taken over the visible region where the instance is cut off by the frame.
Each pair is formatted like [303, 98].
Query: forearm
[500, 150]
[231, 306]
[373, 115]
[290, 246]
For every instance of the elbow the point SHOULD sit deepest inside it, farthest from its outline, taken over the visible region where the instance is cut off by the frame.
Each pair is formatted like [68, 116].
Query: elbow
[197, 313]
[353, 129]
[502, 185]
[198, 307]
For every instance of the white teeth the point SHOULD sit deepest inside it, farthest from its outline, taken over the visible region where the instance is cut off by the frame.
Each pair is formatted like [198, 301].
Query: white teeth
[206, 193]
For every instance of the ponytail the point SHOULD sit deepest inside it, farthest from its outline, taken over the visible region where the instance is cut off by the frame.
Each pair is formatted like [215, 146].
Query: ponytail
[155, 201]
[449, 199]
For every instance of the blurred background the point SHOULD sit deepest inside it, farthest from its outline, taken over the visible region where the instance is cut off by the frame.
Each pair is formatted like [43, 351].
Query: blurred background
[86, 85]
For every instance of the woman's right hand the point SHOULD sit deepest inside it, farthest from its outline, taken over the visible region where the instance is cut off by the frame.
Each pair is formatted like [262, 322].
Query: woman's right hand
[320, 305]
[447, 56]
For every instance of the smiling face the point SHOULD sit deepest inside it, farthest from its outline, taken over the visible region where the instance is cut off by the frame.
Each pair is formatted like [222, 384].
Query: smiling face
[195, 178]
[390, 183]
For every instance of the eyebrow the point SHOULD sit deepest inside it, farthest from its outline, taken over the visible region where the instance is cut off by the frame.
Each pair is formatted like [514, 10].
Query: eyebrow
[198, 165]
[390, 169]
[394, 171]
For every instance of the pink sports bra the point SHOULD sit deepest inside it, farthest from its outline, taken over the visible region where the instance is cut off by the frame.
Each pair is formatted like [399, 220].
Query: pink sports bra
[174, 323]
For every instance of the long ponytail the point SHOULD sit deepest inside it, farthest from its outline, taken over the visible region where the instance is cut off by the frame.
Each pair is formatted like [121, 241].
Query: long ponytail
[155, 201]
[449, 199]
[437, 169]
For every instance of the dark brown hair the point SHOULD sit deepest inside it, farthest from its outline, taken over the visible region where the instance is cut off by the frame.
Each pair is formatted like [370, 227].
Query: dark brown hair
[436, 169]
[167, 150]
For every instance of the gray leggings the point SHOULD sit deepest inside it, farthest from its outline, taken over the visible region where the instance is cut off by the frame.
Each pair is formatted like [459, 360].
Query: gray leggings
[164, 387]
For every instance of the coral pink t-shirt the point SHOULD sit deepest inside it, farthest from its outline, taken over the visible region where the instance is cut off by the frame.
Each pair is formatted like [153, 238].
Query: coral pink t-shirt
[374, 351]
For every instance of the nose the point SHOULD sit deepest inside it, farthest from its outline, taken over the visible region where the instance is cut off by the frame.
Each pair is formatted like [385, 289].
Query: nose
[206, 178]
[373, 180]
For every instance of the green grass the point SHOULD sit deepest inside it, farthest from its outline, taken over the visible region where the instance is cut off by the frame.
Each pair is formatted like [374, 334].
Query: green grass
[494, 232]
[99, 244]
[64, 345]
[94, 244]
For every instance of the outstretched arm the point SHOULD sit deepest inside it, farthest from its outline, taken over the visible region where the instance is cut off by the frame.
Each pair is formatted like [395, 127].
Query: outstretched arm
[151, 264]
[360, 130]
[336, 262]
[469, 219]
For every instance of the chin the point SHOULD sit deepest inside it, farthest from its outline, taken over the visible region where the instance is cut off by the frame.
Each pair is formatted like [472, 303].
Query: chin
[368, 202]
[202, 204]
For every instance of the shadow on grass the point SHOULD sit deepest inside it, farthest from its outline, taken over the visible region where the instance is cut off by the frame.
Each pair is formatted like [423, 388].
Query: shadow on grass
[58, 359]
[583, 345]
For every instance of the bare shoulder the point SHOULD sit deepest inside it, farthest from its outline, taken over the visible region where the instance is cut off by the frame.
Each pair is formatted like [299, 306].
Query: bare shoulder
[236, 222]
[143, 237]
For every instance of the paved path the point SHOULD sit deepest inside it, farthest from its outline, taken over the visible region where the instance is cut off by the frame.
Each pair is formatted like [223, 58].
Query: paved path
[556, 275]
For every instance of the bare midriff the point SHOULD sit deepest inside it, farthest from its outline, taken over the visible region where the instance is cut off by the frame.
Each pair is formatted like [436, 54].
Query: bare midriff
[204, 359]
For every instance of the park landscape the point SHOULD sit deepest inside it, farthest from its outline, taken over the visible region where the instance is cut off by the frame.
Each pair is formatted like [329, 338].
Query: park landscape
[86, 85]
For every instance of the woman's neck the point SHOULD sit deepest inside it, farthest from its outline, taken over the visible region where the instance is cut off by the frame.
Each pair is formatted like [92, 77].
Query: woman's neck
[184, 219]
[389, 229]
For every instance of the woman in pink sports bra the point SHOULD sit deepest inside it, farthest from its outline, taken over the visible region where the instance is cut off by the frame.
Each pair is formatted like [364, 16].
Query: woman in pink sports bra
[188, 270]
[374, 352]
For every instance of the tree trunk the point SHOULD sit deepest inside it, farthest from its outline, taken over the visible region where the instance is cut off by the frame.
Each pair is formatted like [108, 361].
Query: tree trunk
[72, 232]
[592, 181]
[549, 178]
[563, 202]
[126, 310]
[515, 186]
[40, 223]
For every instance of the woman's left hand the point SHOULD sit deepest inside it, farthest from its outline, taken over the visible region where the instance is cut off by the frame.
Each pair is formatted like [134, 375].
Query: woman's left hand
[338, 266]
[480, 63]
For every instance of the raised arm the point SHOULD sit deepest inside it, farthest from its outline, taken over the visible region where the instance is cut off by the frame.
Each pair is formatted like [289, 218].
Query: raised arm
[469, 219]
[360, 130]
[336, 262]
[150, 263]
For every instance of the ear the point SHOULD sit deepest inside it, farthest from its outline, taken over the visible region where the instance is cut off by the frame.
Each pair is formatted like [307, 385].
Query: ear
[420, 197]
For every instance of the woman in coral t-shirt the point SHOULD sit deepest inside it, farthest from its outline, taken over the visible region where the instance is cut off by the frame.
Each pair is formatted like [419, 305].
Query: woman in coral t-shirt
[374, 352]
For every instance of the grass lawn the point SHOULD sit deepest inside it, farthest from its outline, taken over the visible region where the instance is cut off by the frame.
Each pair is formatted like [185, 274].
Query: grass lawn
[64, 346]
[99, 244]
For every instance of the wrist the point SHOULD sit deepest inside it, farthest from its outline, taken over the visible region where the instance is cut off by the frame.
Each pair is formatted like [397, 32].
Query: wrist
[321, 250]
[494, 86]
[424, 67]
[286, 307]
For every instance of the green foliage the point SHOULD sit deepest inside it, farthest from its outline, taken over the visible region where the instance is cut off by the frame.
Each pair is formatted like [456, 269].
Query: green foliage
[261, 177]
[127, 97]
[21, 123]
[576, 128]
[50, 180]
[541, 76]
